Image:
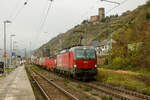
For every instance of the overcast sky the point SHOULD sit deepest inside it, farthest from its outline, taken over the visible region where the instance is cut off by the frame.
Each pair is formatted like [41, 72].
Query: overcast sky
[63, 15]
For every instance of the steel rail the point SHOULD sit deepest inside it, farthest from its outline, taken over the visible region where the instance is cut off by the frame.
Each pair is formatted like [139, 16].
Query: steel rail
[46, 96]
[111, 88]
[41, 89]
[136, 94]
[121, 90]
[99, 89]
[58, 87]
[108, 92]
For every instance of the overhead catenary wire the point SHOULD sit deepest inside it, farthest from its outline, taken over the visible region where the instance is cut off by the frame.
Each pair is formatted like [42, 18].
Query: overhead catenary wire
[46, 16]
[38, 26]
[110, 1]
[86, 13]
[19, 11]
[119, 4]
[38, 31]
[14, 8]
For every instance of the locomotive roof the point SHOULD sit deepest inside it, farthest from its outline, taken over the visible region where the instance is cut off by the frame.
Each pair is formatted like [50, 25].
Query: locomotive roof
[81, 47]
[77, 47]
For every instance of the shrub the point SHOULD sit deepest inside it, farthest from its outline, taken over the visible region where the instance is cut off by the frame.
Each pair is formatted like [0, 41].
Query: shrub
[106, 61]
[118, 63]
[147, 15]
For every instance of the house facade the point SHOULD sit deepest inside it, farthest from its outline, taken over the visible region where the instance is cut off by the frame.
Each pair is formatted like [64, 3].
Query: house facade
[104, 47]
[102, 50]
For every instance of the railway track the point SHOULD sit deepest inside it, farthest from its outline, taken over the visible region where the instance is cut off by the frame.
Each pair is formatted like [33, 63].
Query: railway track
[50, 90]
[131, 93]
[116, 92]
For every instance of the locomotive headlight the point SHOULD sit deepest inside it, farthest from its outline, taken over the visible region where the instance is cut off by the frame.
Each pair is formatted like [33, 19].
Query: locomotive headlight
[74, 65]
[95, 65]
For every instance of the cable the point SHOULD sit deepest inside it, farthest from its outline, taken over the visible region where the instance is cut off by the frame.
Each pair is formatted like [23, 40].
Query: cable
[45, 18]
[116, 6]
[90, 8]
[111, 1]
[15, 7]
[43, 13]
[19, 11]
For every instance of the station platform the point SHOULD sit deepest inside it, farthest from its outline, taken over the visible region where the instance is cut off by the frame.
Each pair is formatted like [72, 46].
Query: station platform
[16, 86]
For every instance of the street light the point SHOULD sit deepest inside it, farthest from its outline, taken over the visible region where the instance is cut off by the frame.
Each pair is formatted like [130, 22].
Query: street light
[12, 35]
[5, 56]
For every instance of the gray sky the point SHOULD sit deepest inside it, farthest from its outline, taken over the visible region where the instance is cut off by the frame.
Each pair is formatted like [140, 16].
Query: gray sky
[63, 15]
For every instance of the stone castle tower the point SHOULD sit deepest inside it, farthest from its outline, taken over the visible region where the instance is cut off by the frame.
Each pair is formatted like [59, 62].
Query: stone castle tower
[101, 13]
[99, 17]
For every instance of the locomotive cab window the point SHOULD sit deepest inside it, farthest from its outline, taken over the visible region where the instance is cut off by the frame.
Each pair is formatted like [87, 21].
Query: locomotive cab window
[85, 54]
[90, 54]
[80, 54]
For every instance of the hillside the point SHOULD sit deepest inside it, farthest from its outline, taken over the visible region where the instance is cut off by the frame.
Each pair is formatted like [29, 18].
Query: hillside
[130, 27]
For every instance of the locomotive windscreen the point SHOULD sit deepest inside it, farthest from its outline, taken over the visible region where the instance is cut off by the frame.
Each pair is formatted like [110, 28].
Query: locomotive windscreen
[85, 54]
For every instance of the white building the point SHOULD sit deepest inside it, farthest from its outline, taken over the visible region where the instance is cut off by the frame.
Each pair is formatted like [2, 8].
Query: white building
[104, 47]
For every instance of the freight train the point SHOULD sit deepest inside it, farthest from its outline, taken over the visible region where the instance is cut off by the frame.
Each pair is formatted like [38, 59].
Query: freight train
[78, 62]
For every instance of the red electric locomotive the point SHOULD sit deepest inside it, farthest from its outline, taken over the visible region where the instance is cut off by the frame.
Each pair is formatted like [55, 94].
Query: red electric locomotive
[79, 62]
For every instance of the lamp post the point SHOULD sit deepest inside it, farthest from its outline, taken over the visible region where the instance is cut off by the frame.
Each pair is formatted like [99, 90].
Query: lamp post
[14, 47]
[5, 56]
[11, 46]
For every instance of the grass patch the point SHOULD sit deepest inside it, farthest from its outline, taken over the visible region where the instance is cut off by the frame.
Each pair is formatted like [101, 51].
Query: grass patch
[79, 86]
[66, 81]
[1, 75]
[106, 98]
[86, 96]
[85, 88]
[94, 93]
[124, 79]
[8, 70]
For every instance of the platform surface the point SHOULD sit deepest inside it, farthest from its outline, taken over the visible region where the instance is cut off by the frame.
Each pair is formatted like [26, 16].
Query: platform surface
[16, 86]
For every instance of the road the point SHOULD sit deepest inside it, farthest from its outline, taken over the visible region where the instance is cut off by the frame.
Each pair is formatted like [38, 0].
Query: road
[16, 86]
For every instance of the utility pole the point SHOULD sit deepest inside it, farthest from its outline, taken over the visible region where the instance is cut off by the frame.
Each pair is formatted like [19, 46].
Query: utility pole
[25, 54]
[5, 56]
[30, 49]
[109, 28]
[12, 35]
[81, 36]
[86, 25]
